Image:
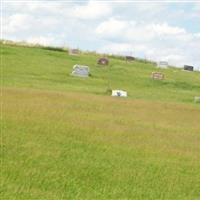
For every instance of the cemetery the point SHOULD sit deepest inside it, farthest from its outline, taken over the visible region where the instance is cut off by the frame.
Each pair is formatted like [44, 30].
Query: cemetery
[118, 134]
[100, 100]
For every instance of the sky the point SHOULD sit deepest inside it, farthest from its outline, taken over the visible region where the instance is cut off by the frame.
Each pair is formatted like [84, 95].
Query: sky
[155, 30]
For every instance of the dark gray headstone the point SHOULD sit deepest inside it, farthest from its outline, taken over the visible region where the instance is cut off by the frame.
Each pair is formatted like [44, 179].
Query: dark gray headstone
[188, 68]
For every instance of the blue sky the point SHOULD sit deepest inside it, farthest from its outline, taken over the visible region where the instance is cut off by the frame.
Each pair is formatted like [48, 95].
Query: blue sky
[155, 30]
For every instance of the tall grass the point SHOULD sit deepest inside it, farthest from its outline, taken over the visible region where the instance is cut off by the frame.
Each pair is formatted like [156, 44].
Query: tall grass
[64, 137]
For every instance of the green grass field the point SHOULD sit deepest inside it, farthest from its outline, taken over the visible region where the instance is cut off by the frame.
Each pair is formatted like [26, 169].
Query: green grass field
[65, 137]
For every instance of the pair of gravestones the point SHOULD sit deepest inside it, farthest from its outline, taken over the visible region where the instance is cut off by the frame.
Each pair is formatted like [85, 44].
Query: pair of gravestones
[83, 71]
[115, 93]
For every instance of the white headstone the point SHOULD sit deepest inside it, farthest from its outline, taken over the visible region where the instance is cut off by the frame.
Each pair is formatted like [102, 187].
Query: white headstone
[80, 70]
[119, 93]
[163, 64]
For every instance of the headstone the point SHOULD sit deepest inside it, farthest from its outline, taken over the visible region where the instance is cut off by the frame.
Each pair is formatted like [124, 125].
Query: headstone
[129, 58]
[157, 76]
[73, 51]
[119, 93]
[188, 68]
[102, 61]
[197, 99]
[163, 64]
[80, 70]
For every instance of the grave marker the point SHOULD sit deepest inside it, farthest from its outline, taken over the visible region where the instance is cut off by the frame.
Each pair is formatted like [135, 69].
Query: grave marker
[103, 61]
[188, 68]
[157, 76]
[119, 93]
[73, 51]
[80, 70]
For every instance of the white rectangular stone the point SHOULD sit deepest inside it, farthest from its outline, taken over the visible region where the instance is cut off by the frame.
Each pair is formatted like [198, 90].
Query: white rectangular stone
[119, 93]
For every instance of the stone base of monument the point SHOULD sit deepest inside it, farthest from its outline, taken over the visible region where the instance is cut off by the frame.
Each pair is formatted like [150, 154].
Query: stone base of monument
[119, 93]
[197, 99]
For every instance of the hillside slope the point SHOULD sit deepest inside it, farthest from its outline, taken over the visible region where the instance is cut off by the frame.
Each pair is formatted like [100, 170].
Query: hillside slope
[65, 137]
[45, 69]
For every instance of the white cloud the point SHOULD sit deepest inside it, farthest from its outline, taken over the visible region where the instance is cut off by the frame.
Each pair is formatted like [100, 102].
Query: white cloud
[151, 29]
[165, 29]
[113, 28]
[47, 40]
[33, 7]
[156, 7]
[117, 48]
[93, 10]
[18, 22]
[132, 31]
[196, 9]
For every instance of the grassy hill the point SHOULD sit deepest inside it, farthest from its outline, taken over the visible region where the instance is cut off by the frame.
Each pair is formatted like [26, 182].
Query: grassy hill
[65, 137]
